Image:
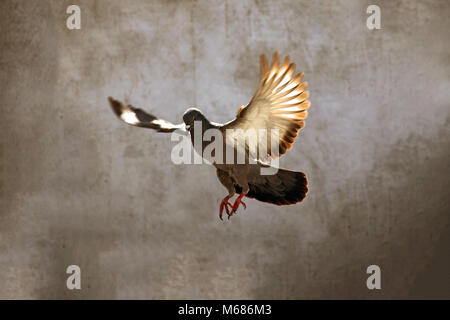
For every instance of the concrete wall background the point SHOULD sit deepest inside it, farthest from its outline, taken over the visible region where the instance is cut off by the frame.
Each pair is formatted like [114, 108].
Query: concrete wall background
[80, 187]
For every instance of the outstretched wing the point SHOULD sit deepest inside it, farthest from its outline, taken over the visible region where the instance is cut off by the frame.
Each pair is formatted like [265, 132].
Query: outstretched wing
[137, 117]
[279, 106]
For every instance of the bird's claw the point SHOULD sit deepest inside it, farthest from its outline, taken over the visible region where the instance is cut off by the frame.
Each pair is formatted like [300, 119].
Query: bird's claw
[224, 205]
[236, 205]
[233, 208]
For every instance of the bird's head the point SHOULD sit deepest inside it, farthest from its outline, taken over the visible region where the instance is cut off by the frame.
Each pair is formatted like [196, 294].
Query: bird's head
[191, 115]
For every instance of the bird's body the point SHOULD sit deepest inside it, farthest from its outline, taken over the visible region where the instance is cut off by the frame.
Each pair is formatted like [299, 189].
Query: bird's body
[278, 108]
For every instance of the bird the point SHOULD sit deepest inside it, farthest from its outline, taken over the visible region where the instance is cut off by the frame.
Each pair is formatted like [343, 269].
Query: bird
[280, 103]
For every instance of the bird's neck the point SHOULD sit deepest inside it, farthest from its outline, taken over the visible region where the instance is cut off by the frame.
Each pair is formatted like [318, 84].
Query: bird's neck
[206, 124]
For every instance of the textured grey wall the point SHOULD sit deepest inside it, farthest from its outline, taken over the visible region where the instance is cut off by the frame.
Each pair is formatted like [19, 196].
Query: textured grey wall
[80, 187]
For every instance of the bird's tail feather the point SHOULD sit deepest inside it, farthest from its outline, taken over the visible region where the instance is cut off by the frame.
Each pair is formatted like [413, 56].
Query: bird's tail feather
[284, 188]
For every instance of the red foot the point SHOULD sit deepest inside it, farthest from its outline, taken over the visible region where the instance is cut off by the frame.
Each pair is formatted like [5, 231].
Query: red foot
[237, 203]
[224, 204]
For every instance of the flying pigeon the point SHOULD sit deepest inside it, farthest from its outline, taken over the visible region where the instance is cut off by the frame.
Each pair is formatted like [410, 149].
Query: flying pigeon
[279, 104]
